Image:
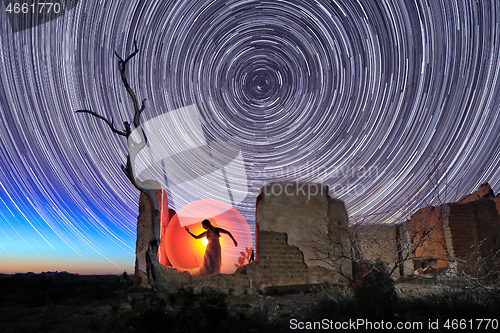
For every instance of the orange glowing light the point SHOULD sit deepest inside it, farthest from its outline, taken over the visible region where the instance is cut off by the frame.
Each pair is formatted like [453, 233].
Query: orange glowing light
[185, 252]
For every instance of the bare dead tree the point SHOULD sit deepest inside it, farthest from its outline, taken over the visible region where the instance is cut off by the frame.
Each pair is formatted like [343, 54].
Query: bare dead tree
[152, 262]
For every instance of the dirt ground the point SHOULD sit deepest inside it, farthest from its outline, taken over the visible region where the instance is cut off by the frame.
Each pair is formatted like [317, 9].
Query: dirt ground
[62, 302]
[106, 303]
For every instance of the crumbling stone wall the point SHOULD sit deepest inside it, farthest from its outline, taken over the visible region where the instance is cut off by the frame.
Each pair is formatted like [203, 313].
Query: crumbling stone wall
[461, 236]
[302, 236]
[475, 228]
[389, 243]
[430, 236]
[293, 228]
[465, 235]
[277, 262]
[145, 234]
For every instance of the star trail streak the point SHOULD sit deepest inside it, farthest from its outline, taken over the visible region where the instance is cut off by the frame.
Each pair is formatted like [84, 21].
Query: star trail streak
[393, 104]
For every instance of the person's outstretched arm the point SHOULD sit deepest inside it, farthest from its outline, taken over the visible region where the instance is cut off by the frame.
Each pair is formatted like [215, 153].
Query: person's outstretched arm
[203, 234]
[228, 233]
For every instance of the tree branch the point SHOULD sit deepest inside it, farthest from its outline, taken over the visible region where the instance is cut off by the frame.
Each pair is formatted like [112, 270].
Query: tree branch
[122, 66]
[111, 123]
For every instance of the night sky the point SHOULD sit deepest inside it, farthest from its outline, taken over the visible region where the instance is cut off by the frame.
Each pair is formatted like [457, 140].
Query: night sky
[392, 104]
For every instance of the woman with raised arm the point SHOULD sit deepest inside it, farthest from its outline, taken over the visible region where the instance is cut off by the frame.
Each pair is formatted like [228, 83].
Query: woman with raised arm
[212, 258]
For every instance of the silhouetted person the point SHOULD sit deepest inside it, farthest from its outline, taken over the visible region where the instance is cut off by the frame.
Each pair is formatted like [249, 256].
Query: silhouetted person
[212, 258]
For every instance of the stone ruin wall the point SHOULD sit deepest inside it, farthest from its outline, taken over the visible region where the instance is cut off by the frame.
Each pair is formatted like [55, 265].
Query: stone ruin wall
[386, 242]
[288, 225]
[464, 235]
[475, 235]
[144, 232]
[292, 219]
[429, 236]
[283, 241]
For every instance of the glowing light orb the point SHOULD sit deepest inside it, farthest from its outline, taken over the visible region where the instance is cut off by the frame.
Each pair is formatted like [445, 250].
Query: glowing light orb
[185, 252]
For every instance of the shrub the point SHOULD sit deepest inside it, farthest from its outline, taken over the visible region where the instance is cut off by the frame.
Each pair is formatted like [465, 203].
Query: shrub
[374, 289]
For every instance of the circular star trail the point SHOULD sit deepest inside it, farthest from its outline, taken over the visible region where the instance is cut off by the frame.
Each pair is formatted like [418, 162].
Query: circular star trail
[392, 104]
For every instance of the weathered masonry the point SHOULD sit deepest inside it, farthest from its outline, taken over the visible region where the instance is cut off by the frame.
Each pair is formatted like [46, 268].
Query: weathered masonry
[302, 237]
[461, 237]
[453, 238]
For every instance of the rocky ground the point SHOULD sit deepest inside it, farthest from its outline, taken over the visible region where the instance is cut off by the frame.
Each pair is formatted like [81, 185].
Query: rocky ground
[62, 302]
[107, 303]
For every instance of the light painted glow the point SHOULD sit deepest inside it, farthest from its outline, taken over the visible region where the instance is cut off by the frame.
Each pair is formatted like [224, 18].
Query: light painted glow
[185, 252]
